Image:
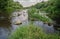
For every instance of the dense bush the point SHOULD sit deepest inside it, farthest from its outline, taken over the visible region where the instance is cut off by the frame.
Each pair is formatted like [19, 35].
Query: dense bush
[31, 32]
[39, 5]
[8, 6]
[35, 14]
[52, 7]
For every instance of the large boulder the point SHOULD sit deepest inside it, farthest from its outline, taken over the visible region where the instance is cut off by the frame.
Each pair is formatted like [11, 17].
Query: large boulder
[19, 16]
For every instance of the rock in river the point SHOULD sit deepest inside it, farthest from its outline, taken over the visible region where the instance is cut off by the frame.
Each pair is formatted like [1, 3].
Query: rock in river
[19, 16]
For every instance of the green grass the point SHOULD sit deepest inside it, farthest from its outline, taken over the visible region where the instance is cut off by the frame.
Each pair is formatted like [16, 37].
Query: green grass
[34, 14]
[31, 32]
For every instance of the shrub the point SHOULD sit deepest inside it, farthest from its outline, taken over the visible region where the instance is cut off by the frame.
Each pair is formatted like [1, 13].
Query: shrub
[36, 14]
[31, 32]
[9, 6]
[28, 32]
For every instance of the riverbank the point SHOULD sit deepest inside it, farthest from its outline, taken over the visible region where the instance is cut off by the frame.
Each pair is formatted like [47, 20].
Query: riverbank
[32, 32]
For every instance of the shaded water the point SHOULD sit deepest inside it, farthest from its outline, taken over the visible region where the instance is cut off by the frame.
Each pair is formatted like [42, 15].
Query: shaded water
[5, 29]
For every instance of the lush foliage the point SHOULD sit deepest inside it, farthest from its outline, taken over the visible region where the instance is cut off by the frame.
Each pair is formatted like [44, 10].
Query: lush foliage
[55, 10]
[31, 32]
[8, 6]
[52, 7]
[35, 14]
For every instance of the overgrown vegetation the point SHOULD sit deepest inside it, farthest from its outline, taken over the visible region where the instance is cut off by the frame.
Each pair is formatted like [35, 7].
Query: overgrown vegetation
[52, 7]
[31, 32]
[8, 6]
[35, 14]
[52, 10]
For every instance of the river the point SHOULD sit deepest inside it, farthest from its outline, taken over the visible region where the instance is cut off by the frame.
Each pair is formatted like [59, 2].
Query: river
[27, 3]
[7, 27]
[20, 17]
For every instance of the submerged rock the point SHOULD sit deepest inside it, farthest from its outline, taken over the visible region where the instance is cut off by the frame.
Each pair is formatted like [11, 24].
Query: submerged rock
[18, 22]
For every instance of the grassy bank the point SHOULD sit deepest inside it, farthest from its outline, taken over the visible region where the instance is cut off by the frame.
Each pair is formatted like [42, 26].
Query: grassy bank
[31, 32]
[36, 14]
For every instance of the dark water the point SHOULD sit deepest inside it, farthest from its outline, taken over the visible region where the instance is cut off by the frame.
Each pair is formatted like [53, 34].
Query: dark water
[5, 29]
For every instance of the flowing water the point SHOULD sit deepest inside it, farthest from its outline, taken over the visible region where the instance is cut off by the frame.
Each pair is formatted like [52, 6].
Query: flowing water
[27, 3]
[6, 27]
